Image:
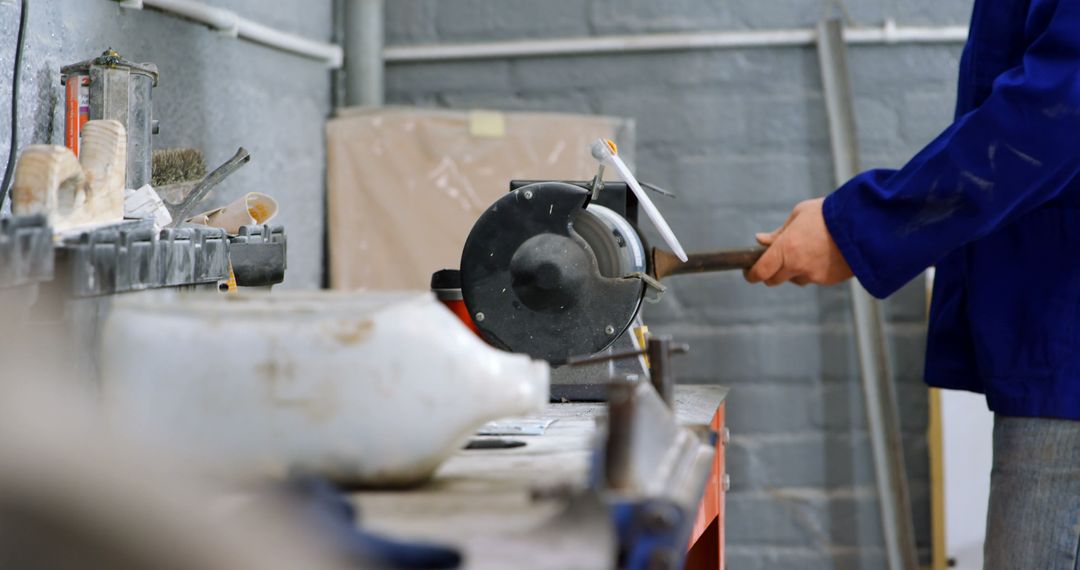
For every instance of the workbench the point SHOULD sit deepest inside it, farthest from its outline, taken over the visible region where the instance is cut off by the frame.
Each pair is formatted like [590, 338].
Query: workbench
[525, 507]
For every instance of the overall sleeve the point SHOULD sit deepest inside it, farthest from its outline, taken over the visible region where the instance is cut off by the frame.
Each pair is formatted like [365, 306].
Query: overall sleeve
[1012, 154]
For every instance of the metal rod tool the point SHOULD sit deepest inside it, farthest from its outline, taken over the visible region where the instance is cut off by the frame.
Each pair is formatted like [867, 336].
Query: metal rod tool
[666, 264]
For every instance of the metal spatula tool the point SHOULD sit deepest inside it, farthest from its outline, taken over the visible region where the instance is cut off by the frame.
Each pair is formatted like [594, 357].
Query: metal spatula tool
[184, 208]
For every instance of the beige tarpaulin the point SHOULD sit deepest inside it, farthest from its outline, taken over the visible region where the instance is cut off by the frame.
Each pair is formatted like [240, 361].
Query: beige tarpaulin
[406, 185]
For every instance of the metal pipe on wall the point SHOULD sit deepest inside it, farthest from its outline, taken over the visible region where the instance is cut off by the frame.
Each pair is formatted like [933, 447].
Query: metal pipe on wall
[364, 42]
[236, 26]
[889, 33]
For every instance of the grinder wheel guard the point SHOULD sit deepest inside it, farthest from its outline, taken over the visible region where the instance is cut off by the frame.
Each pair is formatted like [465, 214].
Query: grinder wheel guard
[544, 276]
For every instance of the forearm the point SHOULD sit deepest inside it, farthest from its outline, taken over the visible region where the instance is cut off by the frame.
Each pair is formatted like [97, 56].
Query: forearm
[1014, 153]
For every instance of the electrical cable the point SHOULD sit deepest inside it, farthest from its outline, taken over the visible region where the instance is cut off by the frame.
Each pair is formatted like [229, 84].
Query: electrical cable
[16, 80]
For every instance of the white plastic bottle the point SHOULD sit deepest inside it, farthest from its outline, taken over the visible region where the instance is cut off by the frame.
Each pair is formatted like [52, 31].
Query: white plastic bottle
[368, 389]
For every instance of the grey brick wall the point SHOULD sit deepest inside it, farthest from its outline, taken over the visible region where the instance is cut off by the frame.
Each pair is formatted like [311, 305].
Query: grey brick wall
[741, 135]
[215, 94]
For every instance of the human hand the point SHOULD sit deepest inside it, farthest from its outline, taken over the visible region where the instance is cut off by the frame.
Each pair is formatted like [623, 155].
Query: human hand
[801, 251]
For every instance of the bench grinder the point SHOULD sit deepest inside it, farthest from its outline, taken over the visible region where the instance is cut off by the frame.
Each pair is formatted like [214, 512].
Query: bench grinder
[559, 270]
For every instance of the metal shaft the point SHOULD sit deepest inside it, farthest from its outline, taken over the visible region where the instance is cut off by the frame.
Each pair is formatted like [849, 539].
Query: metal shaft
[665, 264]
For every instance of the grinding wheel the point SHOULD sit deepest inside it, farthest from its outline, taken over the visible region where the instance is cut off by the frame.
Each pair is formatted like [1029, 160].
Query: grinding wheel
[616, 245]
[544, 276]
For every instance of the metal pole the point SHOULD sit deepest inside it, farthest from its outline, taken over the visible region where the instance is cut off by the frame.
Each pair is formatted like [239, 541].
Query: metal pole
[879, 392]
[364, 65]
[618, 449]
[338, 76]
[660, 371]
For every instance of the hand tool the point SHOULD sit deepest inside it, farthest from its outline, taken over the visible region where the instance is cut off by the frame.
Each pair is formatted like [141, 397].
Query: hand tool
[185, 208]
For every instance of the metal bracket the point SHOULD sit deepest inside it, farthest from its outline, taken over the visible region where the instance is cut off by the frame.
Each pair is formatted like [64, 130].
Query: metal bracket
[659, 352]
[654, 290]
[597, 183]
[656, 189]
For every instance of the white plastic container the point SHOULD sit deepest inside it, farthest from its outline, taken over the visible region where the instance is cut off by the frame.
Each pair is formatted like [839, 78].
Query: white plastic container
[367, 389]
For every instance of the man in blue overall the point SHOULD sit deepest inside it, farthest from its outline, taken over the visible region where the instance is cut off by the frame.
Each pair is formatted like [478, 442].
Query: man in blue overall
[994, 204]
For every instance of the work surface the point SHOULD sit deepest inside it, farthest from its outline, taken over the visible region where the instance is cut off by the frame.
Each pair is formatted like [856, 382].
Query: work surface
[482, 501]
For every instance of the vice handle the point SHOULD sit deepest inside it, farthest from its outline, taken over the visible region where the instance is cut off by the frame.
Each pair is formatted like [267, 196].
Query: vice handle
[665, 264]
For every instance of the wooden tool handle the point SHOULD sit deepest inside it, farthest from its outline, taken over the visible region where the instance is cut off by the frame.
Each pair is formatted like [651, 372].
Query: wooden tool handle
[665, 264]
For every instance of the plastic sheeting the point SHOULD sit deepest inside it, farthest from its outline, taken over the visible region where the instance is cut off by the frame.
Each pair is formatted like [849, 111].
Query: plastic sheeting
[406, 185]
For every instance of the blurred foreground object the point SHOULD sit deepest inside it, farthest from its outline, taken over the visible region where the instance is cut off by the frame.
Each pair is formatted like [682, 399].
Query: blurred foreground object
[603, 487]
[73, 495]
[605, 151]
[366, 389]
[77, 493]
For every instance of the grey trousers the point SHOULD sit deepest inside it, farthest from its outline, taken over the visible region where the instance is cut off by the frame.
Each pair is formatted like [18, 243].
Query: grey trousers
[1034, 516]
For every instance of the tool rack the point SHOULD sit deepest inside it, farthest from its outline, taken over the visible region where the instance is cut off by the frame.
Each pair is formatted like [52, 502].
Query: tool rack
[134, 256]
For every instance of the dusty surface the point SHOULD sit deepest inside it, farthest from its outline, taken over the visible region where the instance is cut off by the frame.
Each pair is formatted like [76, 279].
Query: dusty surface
[479, 495]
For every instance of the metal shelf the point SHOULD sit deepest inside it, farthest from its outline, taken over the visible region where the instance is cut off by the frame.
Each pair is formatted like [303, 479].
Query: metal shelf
[134, 256]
